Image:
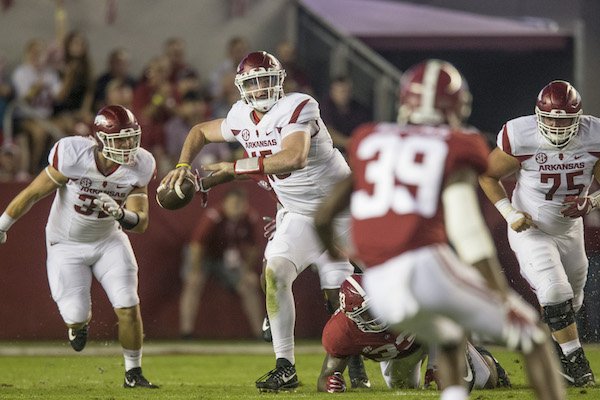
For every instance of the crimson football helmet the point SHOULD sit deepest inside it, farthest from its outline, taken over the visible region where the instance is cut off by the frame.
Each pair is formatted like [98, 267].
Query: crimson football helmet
[119, 132]
[259, 79]
[558, 108]
[433, 92]
[354, 302]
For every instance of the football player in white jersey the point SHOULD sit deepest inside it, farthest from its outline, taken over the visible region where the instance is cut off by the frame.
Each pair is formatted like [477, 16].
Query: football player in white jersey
[554, 155]
[285, 139]
[101, 190]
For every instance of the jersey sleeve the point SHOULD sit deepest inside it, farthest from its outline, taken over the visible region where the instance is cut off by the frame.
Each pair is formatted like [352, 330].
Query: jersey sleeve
[146, 168]
[335, 339]
[64, 155]
[467, 150]
[504, 140]
[226, 132]
[303, 109]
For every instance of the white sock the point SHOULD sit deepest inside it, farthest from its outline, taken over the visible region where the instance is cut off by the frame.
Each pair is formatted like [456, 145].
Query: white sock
[280, 306]
[133, 358]
[570, 346]
[455, 393]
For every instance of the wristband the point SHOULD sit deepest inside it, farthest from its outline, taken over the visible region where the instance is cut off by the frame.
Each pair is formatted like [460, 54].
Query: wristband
[245, 166]
[183, 165]
[509, 213]
[6, 221]
[129, 220]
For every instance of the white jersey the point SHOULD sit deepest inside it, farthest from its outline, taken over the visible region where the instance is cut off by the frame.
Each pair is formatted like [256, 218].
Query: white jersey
[300, 191]
[74, 216]
[548, 174]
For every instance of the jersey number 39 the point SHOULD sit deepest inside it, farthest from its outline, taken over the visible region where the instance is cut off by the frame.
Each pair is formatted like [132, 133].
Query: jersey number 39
[406, 174]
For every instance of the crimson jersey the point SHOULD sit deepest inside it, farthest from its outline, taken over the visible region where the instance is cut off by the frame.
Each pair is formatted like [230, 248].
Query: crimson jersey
[342, 338]
[399, 173]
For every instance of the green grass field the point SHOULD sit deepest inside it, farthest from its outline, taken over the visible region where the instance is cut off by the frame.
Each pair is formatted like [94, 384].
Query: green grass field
[204, 370]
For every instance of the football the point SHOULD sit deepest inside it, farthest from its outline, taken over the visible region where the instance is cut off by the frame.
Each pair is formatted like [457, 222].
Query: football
[173, 199]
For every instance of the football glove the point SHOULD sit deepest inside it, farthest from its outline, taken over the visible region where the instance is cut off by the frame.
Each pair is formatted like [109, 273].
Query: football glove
[575, 206]
[335, 383]
[521, 330]
[109, 205]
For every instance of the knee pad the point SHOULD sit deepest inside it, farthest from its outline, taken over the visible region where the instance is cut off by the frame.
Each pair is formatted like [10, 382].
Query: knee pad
[280, 272]
[559, 316]
[556, 293]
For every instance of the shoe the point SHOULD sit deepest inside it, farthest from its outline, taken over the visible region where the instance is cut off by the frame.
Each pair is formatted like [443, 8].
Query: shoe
[357, 373]
[469, 377]
[266, 330]
[135, 379]
[283, 377]
[565, 365]
[503, 380]
[580, 368]
[78, 337]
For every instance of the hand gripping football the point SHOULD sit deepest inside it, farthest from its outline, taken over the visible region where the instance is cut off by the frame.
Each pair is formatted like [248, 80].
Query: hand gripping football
[178, 197]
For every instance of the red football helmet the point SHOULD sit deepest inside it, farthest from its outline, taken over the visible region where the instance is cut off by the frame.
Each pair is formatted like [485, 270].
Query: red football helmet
[259, 79]
[355, 304]
[119, 132]
[558, 108]
[433, 92]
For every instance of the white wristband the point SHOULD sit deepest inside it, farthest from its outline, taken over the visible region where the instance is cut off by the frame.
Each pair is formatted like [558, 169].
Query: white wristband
[509, 213]
[6, 221]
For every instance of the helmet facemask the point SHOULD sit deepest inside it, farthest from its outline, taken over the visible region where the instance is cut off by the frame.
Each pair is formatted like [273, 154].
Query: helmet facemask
[261, 88]
[557, 136]
[359, 312]
[112, 145]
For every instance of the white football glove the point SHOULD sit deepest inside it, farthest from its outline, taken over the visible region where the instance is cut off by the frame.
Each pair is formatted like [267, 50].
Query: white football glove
[522, 330]
[2, 237]
[109, 205]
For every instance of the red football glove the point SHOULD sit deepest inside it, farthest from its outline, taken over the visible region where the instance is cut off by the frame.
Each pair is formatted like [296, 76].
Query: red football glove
[335, 383]
[575, 206]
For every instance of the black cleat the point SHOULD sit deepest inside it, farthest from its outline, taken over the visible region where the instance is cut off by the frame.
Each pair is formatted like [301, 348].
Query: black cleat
[580, 369]
[135, 379]
[503, 380]
[283, 377]
[357, 373]
[266, 330]
[78, 337]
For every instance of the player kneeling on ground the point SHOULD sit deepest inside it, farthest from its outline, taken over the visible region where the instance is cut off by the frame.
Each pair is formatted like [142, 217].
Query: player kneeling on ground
[353, 331]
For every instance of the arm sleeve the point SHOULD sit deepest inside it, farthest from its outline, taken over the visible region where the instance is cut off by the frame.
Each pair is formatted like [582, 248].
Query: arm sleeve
[468, 150]
[62, 157]
[228, 135]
